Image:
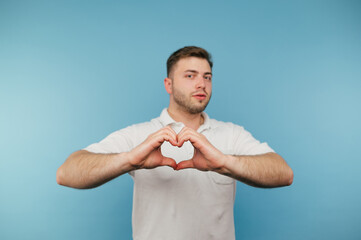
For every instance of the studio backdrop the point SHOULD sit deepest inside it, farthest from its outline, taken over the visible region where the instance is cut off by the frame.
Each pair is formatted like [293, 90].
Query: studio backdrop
[72, 72]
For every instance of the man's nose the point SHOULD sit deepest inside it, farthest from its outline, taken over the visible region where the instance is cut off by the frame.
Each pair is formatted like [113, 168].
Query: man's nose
[201, 82]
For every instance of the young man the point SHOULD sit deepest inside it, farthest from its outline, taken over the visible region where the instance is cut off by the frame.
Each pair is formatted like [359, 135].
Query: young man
[184, 164]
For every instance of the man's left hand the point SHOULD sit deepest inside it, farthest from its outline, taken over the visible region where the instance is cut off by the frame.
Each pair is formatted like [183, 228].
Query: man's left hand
[206, 156]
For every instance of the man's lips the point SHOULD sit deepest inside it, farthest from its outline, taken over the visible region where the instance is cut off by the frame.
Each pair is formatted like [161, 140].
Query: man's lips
[200, 96]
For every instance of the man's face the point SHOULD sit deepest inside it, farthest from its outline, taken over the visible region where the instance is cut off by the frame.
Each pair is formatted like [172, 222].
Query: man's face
[192, 84]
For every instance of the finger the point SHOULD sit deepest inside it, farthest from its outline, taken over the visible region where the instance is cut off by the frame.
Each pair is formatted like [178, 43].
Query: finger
[170, 139]
[158, 139]
[172, 136]
[185, 164]
[185, 130]
[169, 162]
[163, 135]
[183, 135]
[188, 136]
[170, 130]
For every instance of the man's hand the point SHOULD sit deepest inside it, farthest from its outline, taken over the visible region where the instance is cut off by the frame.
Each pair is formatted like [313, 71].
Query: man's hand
[263, 170]
[84, 169]
[206, 156]
[148, 155]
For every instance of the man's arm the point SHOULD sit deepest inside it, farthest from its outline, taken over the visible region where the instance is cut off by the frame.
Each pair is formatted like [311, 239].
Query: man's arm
[84, 169]
[265, 170]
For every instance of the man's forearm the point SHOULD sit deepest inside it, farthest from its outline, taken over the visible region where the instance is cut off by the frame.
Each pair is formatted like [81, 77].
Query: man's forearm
[84, 169]
[265, 170]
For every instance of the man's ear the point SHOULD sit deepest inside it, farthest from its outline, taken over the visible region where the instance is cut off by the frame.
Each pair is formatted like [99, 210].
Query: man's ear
[168, 85]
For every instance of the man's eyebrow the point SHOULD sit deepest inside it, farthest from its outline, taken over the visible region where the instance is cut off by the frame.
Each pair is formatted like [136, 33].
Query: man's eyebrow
[194, 71]
[189, 70]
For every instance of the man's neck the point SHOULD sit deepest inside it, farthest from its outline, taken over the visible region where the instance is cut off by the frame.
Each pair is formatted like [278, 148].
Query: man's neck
[193, 121]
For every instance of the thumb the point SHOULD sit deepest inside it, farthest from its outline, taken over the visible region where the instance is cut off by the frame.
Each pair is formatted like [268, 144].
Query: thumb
[185, 164]
[169, 162]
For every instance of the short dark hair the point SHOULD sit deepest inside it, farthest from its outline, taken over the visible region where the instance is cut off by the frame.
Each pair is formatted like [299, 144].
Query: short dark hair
[188, 51]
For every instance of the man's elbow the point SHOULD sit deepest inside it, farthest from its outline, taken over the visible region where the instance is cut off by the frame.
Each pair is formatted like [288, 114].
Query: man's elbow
[286, 173]
[59, 176]
[63, 174]
[289, 177]
[62, 179]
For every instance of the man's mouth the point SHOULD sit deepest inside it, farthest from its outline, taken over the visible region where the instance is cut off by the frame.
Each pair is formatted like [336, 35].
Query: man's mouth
[200, 96]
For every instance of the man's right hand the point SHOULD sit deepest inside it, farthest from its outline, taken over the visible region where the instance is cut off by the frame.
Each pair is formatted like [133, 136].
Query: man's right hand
[148, 155]
[84, 169]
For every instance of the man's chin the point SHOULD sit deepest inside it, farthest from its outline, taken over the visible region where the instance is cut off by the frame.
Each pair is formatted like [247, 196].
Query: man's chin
[197, 109]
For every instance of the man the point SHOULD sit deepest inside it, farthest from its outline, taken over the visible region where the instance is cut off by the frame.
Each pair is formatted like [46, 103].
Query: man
[184, 164]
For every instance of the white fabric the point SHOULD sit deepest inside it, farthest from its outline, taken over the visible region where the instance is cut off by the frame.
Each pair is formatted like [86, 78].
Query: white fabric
[186, 204]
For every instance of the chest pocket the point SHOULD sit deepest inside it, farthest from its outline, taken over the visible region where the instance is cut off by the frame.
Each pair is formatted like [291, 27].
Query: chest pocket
[221, 145]
[220, 179]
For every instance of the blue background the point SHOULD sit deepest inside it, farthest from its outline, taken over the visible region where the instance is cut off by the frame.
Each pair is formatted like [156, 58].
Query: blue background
[71, 72]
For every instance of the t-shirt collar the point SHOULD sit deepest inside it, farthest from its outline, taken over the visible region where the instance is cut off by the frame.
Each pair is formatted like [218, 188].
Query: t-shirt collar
[165, 119]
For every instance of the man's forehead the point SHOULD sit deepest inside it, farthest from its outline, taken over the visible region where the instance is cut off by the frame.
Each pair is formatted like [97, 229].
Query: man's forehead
[193, 64]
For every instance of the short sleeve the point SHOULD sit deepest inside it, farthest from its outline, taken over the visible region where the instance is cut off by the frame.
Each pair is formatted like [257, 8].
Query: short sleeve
[116, 142]
[246, 144]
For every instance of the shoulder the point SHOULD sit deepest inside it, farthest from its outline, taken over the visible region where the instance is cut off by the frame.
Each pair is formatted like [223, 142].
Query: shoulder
[217, 125]
[142, 128]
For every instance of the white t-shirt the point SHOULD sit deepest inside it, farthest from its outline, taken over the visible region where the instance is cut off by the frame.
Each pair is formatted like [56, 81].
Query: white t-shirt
[186, 204]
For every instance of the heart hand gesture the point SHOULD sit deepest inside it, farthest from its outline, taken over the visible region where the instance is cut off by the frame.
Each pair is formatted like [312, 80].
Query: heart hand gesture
[148, 155]
[206, 156]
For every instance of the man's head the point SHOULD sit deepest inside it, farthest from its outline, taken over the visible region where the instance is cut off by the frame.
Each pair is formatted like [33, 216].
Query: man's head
[189, 80]
[189, 51]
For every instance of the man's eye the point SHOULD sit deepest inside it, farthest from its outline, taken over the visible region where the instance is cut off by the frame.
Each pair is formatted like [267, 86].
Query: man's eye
[208, 77]
[189, 76]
